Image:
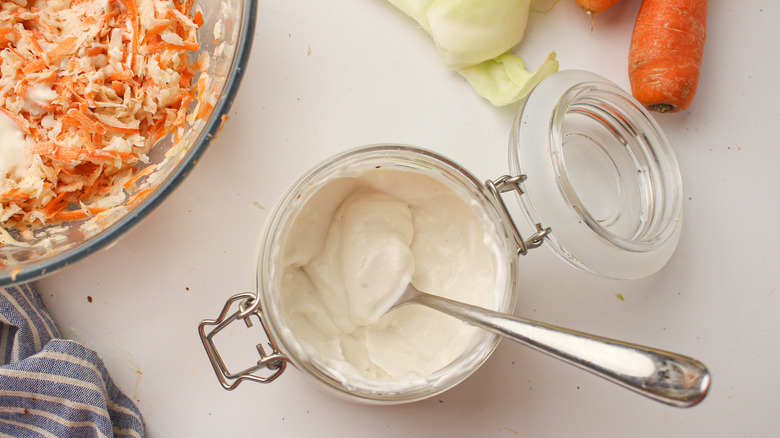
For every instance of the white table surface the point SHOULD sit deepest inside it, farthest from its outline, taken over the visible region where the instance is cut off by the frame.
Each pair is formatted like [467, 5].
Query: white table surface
[326, 76]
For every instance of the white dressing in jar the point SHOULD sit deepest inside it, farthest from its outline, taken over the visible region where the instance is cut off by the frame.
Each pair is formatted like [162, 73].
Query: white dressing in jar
[353, 248]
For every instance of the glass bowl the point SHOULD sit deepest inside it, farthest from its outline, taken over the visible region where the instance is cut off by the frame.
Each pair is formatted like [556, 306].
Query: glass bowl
[226, 36]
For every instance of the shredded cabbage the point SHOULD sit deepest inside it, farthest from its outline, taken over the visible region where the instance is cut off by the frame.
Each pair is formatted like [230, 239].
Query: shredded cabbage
[474, 37]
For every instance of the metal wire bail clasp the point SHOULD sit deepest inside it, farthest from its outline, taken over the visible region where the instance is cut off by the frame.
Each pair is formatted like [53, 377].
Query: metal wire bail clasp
[507, 183]
[275, 362]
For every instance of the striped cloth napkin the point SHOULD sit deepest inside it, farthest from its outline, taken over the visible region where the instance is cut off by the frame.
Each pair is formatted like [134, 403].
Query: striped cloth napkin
[52, 387]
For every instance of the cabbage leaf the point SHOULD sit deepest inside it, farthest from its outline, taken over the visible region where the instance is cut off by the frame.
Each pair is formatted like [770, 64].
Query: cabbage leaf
[475, 37]
[504, 79]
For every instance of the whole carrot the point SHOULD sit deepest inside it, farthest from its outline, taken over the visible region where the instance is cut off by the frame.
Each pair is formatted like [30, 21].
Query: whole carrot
[595, 6]
[664, 59]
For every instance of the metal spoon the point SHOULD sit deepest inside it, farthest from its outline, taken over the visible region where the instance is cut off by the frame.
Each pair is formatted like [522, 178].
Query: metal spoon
[666, 377]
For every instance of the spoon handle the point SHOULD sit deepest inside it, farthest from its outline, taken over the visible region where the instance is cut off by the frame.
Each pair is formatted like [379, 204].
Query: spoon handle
[666, 377]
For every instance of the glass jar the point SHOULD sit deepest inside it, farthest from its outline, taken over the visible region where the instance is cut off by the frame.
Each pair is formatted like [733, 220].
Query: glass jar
[600, 173]
[353, 163]
[592, 171]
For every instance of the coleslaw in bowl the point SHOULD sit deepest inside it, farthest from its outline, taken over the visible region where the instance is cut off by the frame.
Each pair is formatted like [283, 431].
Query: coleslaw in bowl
[114, 111]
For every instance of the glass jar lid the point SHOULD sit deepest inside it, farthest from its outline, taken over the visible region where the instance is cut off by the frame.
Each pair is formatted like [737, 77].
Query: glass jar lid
[600, 173]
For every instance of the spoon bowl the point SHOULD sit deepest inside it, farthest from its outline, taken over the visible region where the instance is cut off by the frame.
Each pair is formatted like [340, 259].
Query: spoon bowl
[666, 377]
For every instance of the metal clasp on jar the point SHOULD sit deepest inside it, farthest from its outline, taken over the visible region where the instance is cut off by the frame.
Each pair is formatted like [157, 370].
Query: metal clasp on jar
[508, 183]
[275, 362]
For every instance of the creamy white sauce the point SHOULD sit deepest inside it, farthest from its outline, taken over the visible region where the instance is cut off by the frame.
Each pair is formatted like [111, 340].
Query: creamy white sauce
[12, 163]
[37, 97]
[354, 247]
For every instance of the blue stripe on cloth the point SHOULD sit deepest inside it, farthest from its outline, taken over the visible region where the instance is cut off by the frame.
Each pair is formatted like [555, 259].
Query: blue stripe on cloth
[7, 335]
[54, 387]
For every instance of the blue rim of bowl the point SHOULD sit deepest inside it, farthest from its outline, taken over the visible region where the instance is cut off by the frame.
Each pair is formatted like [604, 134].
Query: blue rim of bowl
[125, 224]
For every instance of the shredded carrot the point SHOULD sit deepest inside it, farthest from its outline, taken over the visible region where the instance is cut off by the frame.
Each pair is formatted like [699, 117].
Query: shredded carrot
[52, 205]
[146, 171]
[35, 66]
[43, 24]
[138, 196]
[74, 215]
[157, 130]
[198, 19]
[204, 111]
[154, 31]
[20, 121]
[184, 6]
[14, 195]
[162, 45]
[63, 49]
[78, 118]
[21, 88]
[134, 20]
[84, 133]
[118, 87]
[4, 31]
[95, 187]
[120, 76]
[46, 106]
[34, 43]
[94, 51]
